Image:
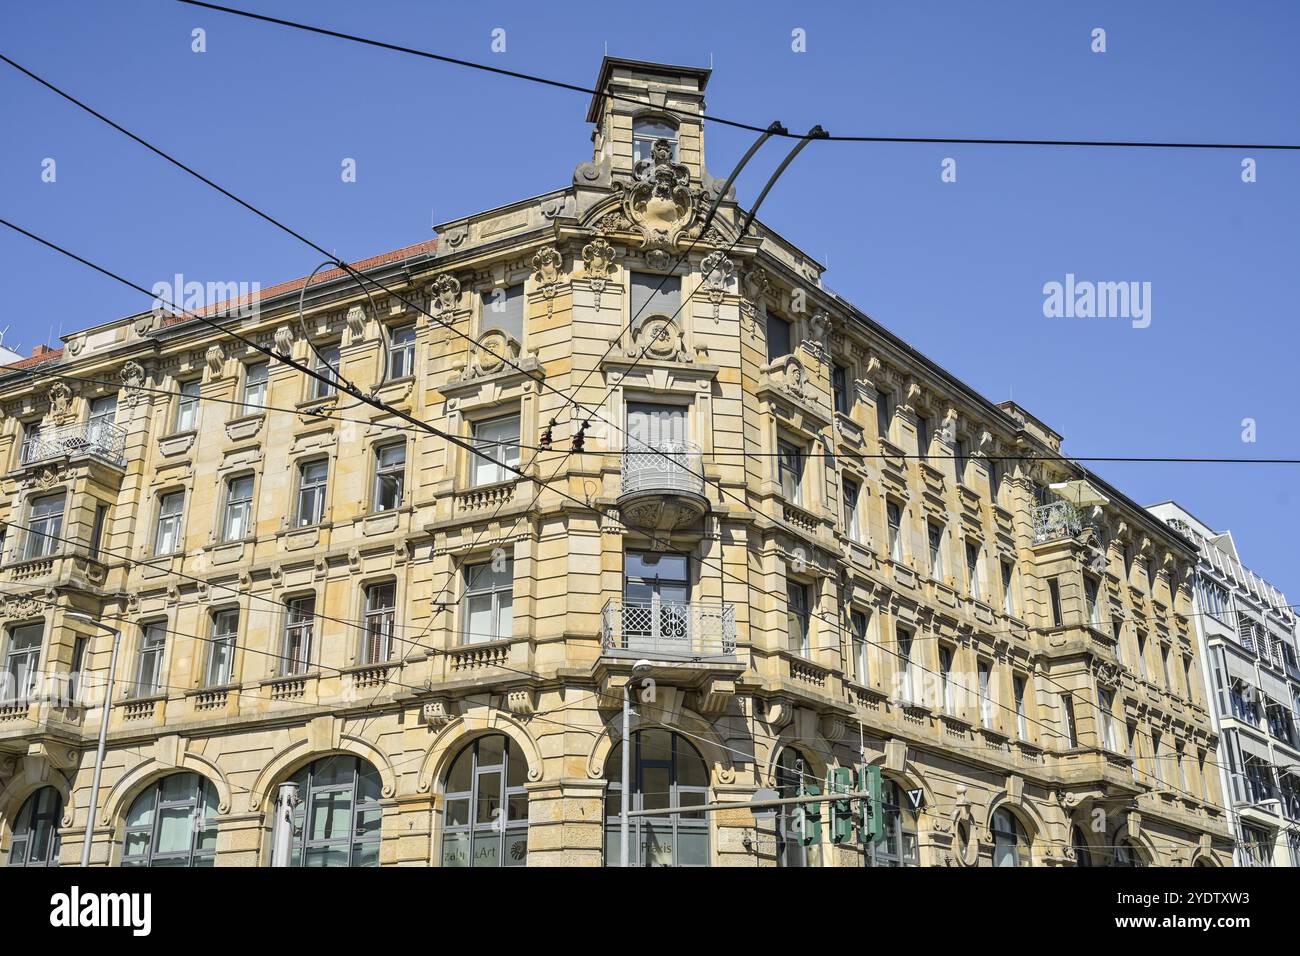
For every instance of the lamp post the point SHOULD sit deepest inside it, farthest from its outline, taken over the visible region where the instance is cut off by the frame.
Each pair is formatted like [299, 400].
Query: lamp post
[103, 730]
[640, 667]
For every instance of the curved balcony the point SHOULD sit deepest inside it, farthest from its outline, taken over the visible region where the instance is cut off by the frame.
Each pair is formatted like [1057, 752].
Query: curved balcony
[663, 486]
[94, 439]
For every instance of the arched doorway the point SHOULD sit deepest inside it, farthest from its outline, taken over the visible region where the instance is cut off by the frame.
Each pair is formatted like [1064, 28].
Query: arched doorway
[667, 773]
[1010, 839]
[172, 823]
[337, 820]
[1079, 843]
[36, 830]
[900, 845]
[792, 770]
[485, 822]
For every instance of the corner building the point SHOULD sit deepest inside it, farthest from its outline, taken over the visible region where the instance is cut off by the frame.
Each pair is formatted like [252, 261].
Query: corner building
[826, 550]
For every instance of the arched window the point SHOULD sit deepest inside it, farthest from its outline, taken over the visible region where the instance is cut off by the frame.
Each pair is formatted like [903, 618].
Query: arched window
[486, 820]
[899, 846]
[1010, 843]
[337, 820]
[648, 129]
[36, 830]
[667, 773]
[792, 770]
[1082, 855]
[1126, 854]
[173, 823]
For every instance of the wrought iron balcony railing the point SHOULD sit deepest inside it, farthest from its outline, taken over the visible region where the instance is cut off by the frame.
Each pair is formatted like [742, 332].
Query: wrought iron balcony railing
[663, 466]
[97, 439]
[1057, 519]
[669, 630]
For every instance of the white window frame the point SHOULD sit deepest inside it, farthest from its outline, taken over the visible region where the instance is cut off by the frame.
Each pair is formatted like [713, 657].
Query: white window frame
[503, 450]
[235, 511]
[257, 379]
[168, 529]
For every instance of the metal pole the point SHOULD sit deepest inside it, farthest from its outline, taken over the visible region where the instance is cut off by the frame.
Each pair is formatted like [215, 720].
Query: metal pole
[627, 769]
[282, 839]
[103, 740]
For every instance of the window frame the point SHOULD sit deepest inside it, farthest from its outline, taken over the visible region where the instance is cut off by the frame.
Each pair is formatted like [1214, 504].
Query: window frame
[791, 463]
[298, 634]
[241, 508]
[379, 638]
[21, 686]
[202, 848]
[311, 494]
[394, 474]
[173, 523]
[226, 641]
[401, 339]
[476, 586]
[261, 386]
[187, 405]
[150, 661]
[43, 537]
[481, 473]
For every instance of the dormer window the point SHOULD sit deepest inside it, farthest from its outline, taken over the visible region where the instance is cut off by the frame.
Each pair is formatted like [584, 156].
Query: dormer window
[644, 133]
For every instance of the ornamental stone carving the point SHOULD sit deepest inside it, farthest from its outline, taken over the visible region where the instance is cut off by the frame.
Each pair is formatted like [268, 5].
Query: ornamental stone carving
[659, 202]
[284, 340]
[132, 376]
[355, 319]
[718, 270]
[60, 397]
[660, 338]
[548, 267]
[216, 359]
[445, 293]
[600, 259]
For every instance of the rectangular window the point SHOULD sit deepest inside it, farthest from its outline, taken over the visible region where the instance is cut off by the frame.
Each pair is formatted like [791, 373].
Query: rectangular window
[390, 476]
[995, 479]
[653, 295]
[934, 534]
[1164, 666]
[30, 448]
[237, 521]
[1157, 770]
[851, 491]
[1105, 712]
[401, 352]
[76, 669]
[894, 519]
[148, 672]
[1067, 722]
[840, 389]
[905, 665]
[96, 531]
[922, 437]
[1054, 594]
[1091, 589]
[858, 635]
[255, 379]
[299, 628]
[1008, 588]
[221, 655]
[44, 527]
[945, 680]
[798, 618]
[167, 536]
[960, 455]
[325, 363]
[778, 337]
[103, 414]
[790, 462]
[498, 441]
[381, 618]
[503, 309]
[312, 479]
[187, 406]
[1022, 717]
[973, 587]
[884, 413]
[19, 682]
[489, 602]
[1142, 655]
[985, 674]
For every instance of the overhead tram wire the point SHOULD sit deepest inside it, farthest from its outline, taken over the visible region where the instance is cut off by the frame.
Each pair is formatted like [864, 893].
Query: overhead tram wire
[721, 120]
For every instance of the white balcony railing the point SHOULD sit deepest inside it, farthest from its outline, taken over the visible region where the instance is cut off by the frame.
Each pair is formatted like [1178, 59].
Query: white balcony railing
[663, 466]
[98, 439]
[668, 630]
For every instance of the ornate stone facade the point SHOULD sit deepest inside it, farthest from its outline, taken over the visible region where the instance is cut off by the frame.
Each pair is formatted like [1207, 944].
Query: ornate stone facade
[325, 597]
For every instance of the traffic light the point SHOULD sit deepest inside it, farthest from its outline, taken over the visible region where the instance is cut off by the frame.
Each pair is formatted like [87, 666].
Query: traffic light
[870, 816]
[807, 817]
[840, 780]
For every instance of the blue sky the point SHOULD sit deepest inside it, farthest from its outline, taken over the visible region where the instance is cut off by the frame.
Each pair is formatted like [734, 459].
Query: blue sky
[955, 268]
